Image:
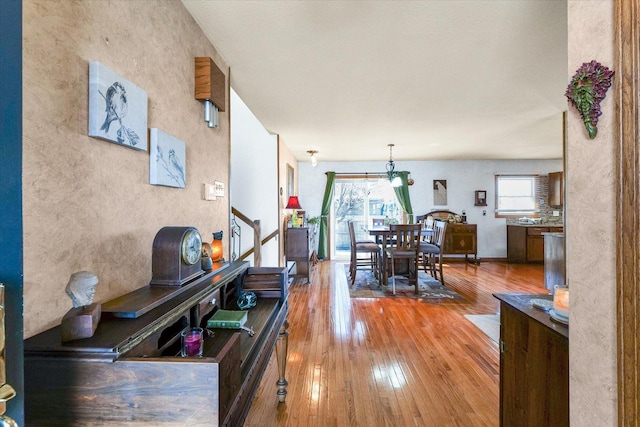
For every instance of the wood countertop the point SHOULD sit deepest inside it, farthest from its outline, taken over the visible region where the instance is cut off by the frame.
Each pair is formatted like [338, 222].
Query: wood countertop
[522, 303]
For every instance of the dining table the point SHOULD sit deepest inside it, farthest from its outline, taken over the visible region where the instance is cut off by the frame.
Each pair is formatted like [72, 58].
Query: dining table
[382, 235]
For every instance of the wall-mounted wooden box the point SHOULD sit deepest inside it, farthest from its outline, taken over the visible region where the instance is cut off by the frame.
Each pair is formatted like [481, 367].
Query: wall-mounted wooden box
[211, 82]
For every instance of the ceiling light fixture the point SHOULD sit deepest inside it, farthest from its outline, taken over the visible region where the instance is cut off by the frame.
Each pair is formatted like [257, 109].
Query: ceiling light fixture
[314, 160]
[394, 177]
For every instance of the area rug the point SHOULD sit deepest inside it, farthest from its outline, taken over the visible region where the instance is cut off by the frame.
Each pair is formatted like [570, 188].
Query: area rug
[487, 323]
[366, 286]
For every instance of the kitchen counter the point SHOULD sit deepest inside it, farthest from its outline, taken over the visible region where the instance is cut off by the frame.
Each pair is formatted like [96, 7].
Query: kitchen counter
[554, 261]
[525, 242]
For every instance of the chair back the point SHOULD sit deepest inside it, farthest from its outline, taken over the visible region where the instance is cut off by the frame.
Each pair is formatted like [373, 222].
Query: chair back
[427, 224]
[439, 229]
[405, 237]
[352, 235]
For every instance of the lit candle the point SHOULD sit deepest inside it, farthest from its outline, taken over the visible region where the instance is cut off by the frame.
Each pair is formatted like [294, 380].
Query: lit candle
[561, 301]
[192, 342]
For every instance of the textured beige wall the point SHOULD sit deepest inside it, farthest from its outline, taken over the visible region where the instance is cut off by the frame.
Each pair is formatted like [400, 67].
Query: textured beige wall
[591, 229]
[88, 204]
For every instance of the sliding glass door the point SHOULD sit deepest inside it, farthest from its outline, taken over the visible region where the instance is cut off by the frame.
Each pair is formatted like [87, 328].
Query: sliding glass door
[366, 202]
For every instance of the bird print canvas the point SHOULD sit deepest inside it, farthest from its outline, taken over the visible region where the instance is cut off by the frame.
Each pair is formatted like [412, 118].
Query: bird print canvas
[117, 108]
[167, 160]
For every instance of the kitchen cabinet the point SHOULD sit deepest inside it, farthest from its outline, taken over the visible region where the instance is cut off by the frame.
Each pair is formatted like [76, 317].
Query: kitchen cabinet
[556, 189]
[525, 243]
[535, 243]
[534, 365]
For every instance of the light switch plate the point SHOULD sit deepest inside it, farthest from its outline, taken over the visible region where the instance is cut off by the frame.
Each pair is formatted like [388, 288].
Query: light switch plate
[219, 188]
[208, 192]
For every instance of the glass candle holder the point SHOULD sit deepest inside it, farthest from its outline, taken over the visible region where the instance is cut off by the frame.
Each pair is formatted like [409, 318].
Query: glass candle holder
[561, 301]
[192, 343]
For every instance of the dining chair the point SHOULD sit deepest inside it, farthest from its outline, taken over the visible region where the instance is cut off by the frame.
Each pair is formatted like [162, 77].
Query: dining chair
[405, 240]
[427, 233]
[431, 252]
[365, 254]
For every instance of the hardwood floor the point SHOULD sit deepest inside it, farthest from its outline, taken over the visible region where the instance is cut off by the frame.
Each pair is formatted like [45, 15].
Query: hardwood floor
[391, 361]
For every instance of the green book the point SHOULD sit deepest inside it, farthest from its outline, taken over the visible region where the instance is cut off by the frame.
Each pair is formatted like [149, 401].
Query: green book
[229, 319]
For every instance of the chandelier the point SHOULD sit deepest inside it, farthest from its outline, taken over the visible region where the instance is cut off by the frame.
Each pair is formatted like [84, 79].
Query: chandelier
[394, 177]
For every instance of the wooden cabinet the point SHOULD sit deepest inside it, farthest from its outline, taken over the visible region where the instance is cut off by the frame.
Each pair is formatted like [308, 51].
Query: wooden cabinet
[556, 189]
[534, 365]
[516, 243]
[298, 249]
[526, 243]
[461, 239]
[535, 243]
[130, 372]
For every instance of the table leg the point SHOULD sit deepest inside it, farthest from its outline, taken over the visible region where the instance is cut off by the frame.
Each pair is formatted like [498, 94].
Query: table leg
[384, 274]
[282, 345]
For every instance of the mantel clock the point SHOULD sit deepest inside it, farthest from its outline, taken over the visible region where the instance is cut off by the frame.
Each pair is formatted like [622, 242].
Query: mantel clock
[176, 256]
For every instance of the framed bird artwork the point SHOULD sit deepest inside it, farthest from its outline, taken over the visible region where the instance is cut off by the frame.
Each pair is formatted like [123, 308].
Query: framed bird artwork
[167, 160]
[117, 108]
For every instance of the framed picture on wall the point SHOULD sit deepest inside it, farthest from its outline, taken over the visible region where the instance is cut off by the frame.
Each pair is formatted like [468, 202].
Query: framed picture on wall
[290, 181]
[167, 164]
[117, 108]
[481, 198]
[439, 191]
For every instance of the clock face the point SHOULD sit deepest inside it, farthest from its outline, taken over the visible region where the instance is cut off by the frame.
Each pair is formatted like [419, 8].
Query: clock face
[191, 247]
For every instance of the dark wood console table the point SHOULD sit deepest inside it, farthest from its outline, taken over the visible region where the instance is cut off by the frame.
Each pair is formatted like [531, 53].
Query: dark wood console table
[534, 364]
[298, 249]
[130, 372]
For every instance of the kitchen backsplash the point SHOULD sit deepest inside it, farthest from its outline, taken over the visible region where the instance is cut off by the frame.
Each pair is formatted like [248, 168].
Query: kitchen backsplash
[546, 211]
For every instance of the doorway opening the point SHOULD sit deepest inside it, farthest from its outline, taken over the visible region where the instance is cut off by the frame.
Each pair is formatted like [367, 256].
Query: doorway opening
[367, 202]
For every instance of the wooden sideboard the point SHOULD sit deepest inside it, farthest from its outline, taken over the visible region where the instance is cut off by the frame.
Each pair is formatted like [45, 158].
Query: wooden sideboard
[534, 365]
[461, 239]
[130, 372]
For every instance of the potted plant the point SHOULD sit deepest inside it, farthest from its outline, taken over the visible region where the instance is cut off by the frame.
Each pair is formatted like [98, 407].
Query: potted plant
[314, 222]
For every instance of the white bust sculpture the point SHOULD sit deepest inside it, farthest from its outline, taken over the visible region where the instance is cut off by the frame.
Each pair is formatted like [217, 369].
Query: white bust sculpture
[81, 288]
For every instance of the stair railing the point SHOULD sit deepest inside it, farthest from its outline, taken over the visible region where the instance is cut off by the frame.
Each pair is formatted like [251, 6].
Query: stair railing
[236, 241]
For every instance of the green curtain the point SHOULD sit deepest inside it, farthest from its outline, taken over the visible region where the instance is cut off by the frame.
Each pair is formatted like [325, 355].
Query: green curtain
[402, 193]
[323, 241]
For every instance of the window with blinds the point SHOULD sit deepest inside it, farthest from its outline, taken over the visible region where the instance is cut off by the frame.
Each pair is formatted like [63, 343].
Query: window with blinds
[516, 195]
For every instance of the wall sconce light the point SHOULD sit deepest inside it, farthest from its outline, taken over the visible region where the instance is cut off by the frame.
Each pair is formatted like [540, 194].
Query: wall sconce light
[210, 113]
[314, 160]
[210, 87]
[394, 178]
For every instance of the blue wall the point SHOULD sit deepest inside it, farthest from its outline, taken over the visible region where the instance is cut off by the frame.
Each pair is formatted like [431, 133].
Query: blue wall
[11, 273]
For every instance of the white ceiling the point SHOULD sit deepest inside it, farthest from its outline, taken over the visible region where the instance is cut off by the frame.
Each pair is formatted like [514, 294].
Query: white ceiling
[465, 79]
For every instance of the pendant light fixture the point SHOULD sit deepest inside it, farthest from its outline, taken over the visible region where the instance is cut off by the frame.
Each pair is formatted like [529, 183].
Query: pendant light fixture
[394, 177]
